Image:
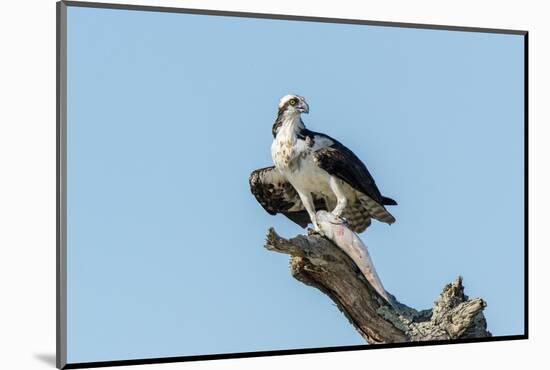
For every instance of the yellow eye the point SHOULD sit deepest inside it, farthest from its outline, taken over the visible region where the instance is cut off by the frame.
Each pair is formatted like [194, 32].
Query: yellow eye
[292, 101]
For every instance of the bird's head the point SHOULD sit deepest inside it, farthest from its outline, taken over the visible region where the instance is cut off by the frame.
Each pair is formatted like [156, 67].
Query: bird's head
[293, 105]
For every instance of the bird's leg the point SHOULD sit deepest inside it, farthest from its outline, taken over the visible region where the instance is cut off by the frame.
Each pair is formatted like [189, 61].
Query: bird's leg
[307, 200]
[341, 199]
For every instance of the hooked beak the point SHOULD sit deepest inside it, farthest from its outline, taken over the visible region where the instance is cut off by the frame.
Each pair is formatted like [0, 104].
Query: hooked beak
[303, 107]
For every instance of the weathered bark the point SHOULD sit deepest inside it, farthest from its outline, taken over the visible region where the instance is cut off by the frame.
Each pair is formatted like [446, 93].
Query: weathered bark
[318, 262]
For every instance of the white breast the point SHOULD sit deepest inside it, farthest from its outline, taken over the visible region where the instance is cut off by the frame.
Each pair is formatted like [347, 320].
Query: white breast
[286, 149]
[293, 157]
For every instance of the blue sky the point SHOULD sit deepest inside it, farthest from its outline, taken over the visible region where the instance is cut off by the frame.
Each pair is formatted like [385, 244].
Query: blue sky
[169, 113]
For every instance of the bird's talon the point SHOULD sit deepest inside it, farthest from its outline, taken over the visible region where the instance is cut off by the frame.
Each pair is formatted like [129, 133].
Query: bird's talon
[311, 231]
[343, 219]
[318, 230]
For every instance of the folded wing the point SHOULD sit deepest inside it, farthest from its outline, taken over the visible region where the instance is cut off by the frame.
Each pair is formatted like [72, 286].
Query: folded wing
[276, 195]
[341, 162]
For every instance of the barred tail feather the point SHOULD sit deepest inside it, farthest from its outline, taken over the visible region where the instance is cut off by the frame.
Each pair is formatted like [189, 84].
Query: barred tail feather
[377, 211]
[357, 217]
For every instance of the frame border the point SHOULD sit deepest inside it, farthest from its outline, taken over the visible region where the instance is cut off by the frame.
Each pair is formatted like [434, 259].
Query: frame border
[226, 13]
[61, 184]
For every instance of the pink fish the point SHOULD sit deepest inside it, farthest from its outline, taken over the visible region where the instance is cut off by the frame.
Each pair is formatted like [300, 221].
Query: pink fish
[337, 231]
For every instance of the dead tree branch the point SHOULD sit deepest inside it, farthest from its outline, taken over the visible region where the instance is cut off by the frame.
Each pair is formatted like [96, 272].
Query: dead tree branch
[318, 262]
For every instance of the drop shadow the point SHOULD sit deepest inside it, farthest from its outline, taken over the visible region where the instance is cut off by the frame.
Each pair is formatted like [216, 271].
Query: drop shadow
[47, 358]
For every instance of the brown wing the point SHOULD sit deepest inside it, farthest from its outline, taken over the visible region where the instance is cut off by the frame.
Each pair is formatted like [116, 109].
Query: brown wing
[276, 195]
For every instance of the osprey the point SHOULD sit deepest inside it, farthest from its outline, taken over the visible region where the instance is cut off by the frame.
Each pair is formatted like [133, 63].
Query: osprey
[313, 171]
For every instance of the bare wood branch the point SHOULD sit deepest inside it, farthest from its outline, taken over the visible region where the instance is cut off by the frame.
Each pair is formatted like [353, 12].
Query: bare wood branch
[320, 263]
